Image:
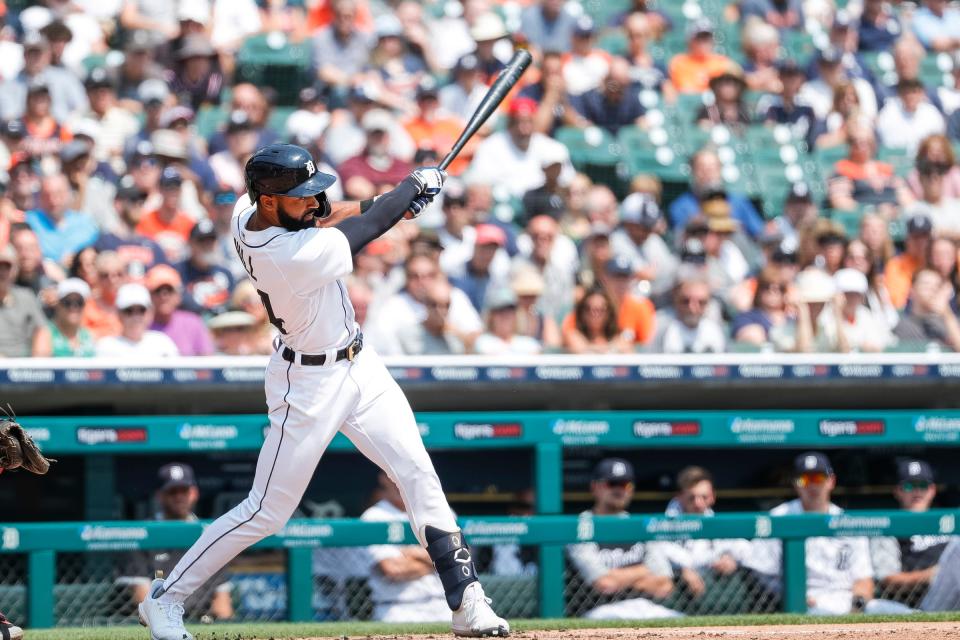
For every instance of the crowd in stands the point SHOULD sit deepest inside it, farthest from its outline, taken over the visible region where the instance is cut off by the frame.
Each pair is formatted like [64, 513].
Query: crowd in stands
[125, 126]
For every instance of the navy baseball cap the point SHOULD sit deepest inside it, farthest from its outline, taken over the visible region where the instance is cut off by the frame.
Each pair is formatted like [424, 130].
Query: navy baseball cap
[469, 62]
[913, 471]
[128, 189]
[176, 474]
[919, 224]
[790, 67]
[203, 230]
[699, 27]
[640, 208]
[584, 26]
[170, 177]
[831, 55]
[613, 470]
[619, 266]
[812, 462]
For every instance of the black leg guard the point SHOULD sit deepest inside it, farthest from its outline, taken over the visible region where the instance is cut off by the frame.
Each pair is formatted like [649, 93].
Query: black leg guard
[453, 561]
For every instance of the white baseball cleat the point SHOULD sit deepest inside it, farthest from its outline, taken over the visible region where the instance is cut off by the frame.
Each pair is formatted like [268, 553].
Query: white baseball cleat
[475, 618]
[164, 620]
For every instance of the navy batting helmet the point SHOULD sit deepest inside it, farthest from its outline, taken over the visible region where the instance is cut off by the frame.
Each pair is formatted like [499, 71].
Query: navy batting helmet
[286, 170]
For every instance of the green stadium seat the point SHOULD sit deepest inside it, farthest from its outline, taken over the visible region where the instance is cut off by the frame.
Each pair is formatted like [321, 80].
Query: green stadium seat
[209, 119]
[614, 42]
[603, 10]
[270, 60]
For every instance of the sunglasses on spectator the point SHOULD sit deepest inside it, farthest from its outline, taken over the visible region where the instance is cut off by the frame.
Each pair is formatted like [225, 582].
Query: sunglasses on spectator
[133, 311]
[807, 479]
[111, 274]
[690, 300]
[617, 484]
[933, 168]
[918, 485]
[774, 287]
[72, 303]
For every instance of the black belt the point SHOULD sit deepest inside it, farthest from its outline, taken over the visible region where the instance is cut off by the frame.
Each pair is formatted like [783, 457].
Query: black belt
[349, 352]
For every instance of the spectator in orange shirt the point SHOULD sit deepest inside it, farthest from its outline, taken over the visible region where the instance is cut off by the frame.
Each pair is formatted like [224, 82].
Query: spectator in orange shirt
[167, 225]
[320, 14]
[636, 315]
[100, 313]
[593, 327]
[898, 275]
[691, 72]
[431, 128]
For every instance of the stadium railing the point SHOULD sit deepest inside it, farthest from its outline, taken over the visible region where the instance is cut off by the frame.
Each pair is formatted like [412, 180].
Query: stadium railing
[43, 543]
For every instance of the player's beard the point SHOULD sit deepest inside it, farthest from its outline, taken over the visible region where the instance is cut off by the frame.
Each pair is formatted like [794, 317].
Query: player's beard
[308, 220]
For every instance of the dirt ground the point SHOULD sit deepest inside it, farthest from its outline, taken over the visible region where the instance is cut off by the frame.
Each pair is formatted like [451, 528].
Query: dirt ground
[879, 631]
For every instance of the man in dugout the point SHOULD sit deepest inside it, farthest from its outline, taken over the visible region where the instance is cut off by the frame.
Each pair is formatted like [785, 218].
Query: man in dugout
[176, 499]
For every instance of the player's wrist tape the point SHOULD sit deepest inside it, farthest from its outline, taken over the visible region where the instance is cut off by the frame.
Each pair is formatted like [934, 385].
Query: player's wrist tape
[454, 563]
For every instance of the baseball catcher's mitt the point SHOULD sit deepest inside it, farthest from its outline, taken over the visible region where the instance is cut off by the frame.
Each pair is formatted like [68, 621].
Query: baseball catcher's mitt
[18, 450]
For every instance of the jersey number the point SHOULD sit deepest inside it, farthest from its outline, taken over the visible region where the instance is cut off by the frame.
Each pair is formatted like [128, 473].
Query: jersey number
[274, 320]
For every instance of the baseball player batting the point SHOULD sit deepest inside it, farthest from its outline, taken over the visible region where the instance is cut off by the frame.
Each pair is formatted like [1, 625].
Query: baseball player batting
[322, 380]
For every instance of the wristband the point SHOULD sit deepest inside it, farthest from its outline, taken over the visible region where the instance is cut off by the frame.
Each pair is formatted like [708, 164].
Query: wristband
[366, 204]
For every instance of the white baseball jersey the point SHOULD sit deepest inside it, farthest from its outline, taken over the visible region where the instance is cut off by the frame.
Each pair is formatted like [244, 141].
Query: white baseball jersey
[386, 591]
[701, 554]
[833, 564]
[297, 274]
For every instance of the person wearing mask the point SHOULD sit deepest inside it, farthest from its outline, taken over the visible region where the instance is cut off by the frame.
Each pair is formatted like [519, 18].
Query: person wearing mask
[135, 339]
[69, 338]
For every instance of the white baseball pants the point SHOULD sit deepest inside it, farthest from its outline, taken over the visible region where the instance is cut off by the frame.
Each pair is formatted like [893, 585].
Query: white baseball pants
[944, 592]
[307, 405]
[632, 609]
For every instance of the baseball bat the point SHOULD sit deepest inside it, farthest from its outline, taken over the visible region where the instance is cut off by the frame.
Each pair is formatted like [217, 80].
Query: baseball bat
[505, 81]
